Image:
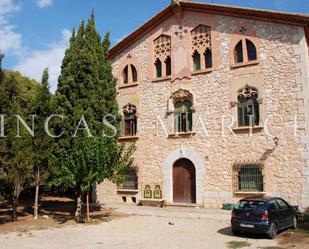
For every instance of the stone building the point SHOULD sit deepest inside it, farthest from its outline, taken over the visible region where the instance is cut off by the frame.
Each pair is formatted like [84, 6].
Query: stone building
[216, 98]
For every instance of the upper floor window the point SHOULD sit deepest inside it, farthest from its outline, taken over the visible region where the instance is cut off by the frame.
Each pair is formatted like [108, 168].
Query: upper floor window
[129, 127]
[248, 106]
[245, 51]
[201, 45]
[162, 54]
[129, 74]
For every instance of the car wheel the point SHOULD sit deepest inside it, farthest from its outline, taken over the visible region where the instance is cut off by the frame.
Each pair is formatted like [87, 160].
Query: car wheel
[294, 226]
[272, 233]
[235, 232]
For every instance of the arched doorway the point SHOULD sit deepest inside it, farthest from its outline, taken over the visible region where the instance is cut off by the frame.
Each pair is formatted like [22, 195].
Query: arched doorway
[184, 186]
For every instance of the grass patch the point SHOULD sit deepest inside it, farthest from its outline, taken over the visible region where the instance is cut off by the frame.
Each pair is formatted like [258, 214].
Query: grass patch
[237, 244]
[272, 247]
[304, 231]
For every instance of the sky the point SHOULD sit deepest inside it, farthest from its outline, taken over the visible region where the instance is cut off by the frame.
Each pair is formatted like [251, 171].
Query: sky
[35, 33]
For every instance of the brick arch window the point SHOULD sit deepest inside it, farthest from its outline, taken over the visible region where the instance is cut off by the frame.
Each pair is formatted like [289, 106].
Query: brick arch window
[248, 107]
[134, 73]
[201, 46]
[129, 127]
[129, 74]
[238, 53]
[248, 177]
[251, 50]
[125, 75]
[196, 61]
[162, 54]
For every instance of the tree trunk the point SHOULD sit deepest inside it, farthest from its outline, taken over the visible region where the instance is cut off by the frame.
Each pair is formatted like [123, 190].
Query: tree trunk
[88, 212]
[14, 209]
[78, 207]
[36, 198]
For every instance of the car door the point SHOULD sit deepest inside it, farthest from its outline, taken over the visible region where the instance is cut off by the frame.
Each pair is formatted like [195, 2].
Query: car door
[285, 213]
[274, 212]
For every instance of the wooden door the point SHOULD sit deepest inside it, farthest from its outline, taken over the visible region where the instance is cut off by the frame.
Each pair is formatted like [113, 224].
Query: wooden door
[184, 181]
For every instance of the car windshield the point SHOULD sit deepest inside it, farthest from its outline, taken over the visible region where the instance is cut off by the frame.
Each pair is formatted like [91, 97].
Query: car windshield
[247, 204]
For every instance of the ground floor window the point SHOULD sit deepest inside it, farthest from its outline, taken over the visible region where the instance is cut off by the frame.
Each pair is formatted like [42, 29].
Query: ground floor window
[131, 180]
[248, 178]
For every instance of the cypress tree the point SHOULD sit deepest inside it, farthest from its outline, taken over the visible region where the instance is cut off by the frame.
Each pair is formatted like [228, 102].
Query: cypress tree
[86, 88]
[41, 142]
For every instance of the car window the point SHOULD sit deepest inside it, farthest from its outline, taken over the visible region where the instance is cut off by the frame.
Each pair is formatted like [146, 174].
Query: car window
[247, 204]
[273, 205]
[282, 204]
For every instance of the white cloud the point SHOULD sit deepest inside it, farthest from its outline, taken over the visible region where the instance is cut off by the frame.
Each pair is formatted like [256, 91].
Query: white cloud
[44, 3]
[10, 40]
[34, 64]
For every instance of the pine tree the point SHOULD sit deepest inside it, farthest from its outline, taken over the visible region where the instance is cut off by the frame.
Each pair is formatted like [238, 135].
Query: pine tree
[86, 87]
[41, 142]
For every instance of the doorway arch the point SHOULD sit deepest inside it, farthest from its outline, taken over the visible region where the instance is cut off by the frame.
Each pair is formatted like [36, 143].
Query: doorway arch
[200, 171]
[184, 187]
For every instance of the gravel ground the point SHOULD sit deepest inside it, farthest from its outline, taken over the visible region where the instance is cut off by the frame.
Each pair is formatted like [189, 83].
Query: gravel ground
[145, 227]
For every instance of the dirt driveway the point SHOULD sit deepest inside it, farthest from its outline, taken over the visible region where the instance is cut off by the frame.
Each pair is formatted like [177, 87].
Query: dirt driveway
[144, 227]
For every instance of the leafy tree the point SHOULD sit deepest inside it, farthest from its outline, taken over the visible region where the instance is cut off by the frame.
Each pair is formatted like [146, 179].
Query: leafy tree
[93, 160]
[16, 159]
[41, 142]
[86, 89]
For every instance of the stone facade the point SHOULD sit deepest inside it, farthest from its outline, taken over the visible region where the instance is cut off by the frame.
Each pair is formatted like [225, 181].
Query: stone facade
[280, 74]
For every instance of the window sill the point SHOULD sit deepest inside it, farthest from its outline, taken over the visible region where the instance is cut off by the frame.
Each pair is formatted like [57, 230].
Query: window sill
[129, 191]
[127, 86]
[249, 193]
[245, 64]
[247, 128]
[202, 71]
[128, 138]
[162, 79]
[181, 134]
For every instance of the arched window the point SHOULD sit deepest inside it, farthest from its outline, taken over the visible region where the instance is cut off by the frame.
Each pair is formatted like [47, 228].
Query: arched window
[251, 50]
[158, 65]
[238, 53]
[168, 66]
[201, 45]
[134, 73]
[183, 116]
[208, 58]
[125, 75]
[248, 107]
[249, 178]
[130, 120]
[196, 61]
[162, 55]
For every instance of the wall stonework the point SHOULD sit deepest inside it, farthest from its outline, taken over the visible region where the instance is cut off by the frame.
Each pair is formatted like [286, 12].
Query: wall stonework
[282, 74]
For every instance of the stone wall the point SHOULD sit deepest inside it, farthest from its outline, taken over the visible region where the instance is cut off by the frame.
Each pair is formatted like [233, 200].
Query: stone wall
[281, 76]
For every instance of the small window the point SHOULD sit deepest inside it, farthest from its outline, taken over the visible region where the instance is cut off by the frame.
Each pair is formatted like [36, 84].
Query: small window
[208, 58]
[250, 178]
[158, 66]
[125, 75]
[251, 50]
[196, 61]
[134, 73]
[168, 66]
[131, 180]
[129, 121]
[183, 116]
[238, 53]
